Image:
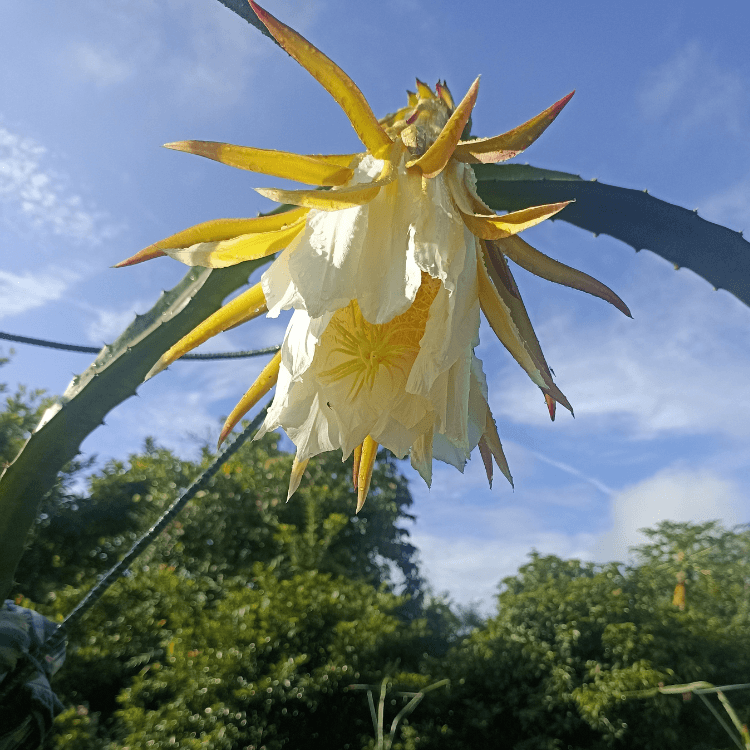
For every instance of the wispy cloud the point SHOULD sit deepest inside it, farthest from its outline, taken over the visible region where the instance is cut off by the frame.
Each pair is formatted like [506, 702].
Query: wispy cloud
[177, 418]
[36, 198]
[471, 568]
[692, 91]
[22, 292]
[675, 369]
[204, 62]
[574, 472]
[100, 65]
[108, 324]
[471, 537]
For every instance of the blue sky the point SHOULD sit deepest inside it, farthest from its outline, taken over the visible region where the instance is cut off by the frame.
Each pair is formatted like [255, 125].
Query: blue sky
[91, 90]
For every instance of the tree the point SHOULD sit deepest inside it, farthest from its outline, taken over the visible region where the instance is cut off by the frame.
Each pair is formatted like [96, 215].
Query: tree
[20, 415]
[309, 577]
[574, 644]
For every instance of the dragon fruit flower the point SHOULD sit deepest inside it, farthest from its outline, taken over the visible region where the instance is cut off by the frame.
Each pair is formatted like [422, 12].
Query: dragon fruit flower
[386, 269]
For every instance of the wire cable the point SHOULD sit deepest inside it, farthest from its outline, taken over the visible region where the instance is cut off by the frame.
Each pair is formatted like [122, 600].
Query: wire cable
[94, 350]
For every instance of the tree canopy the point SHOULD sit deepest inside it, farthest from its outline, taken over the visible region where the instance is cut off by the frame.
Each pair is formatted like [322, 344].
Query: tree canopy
[250, 620]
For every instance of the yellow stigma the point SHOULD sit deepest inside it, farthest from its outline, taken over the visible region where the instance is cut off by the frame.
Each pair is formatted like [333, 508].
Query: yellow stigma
[367, 347]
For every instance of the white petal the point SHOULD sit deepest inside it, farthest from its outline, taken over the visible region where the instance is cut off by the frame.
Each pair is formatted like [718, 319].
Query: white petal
[278, 289]
[388, 276]
[421, 456]
[300, 341]
[439, 241]
[452, 328]
[446, 447]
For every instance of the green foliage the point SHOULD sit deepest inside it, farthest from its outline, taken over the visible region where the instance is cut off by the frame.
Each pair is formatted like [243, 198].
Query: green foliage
[20, 415]
[255, 661]
[633, 216]
[113, 377]
[293, 597]
[242, 518]
[249, 609]
[573, 643]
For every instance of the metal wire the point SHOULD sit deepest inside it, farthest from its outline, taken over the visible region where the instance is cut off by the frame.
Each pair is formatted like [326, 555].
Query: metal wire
[95, 350]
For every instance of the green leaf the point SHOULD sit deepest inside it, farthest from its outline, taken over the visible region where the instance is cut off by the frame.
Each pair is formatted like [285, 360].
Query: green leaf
[114, 376]
[716, 253]
[243, 10]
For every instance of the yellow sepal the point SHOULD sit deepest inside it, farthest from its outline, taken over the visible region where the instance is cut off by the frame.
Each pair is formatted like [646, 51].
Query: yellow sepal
[324, 200]
[298, 469]
[495, 227]
[424, 91]
[491, 440]
[312, 170]
[246, 306]
[332, 78]
[520, 252]
[339, 198]
[513, 333]
[355, 466]
[265, 381]
[445, 94]
[215, 230]
[367, 460]
[238, 249]
[506, 146]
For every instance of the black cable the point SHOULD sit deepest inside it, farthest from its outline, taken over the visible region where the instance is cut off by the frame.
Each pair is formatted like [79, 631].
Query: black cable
[94, 350]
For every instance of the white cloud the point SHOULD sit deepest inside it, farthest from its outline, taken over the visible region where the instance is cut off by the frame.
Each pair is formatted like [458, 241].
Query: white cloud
[205, 60]
[109, 324]
[20, 293]
[176, 418]
[693, 92]
[100, 65]
[470, 567]
[33, 197]
[470, 537]
[675, 369]
[674, 494]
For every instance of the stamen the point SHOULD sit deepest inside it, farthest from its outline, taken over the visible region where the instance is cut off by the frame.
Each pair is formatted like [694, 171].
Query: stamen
[367, 347]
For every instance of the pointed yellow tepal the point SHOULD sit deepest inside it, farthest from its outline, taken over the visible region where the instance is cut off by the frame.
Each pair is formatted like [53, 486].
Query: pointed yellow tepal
[344, 197]
[424, 91]
[246, 306]
[298, 469]
[506, 146]
[494, 227]
[266, 380]
[216, 230]
[366, 462]
[332, 78]
[312, 170]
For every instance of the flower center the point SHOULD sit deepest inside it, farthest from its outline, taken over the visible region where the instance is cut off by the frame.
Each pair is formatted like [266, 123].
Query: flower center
[367, 347]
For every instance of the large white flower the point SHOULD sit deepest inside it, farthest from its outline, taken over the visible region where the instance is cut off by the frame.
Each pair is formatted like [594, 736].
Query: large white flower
[386, 271]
